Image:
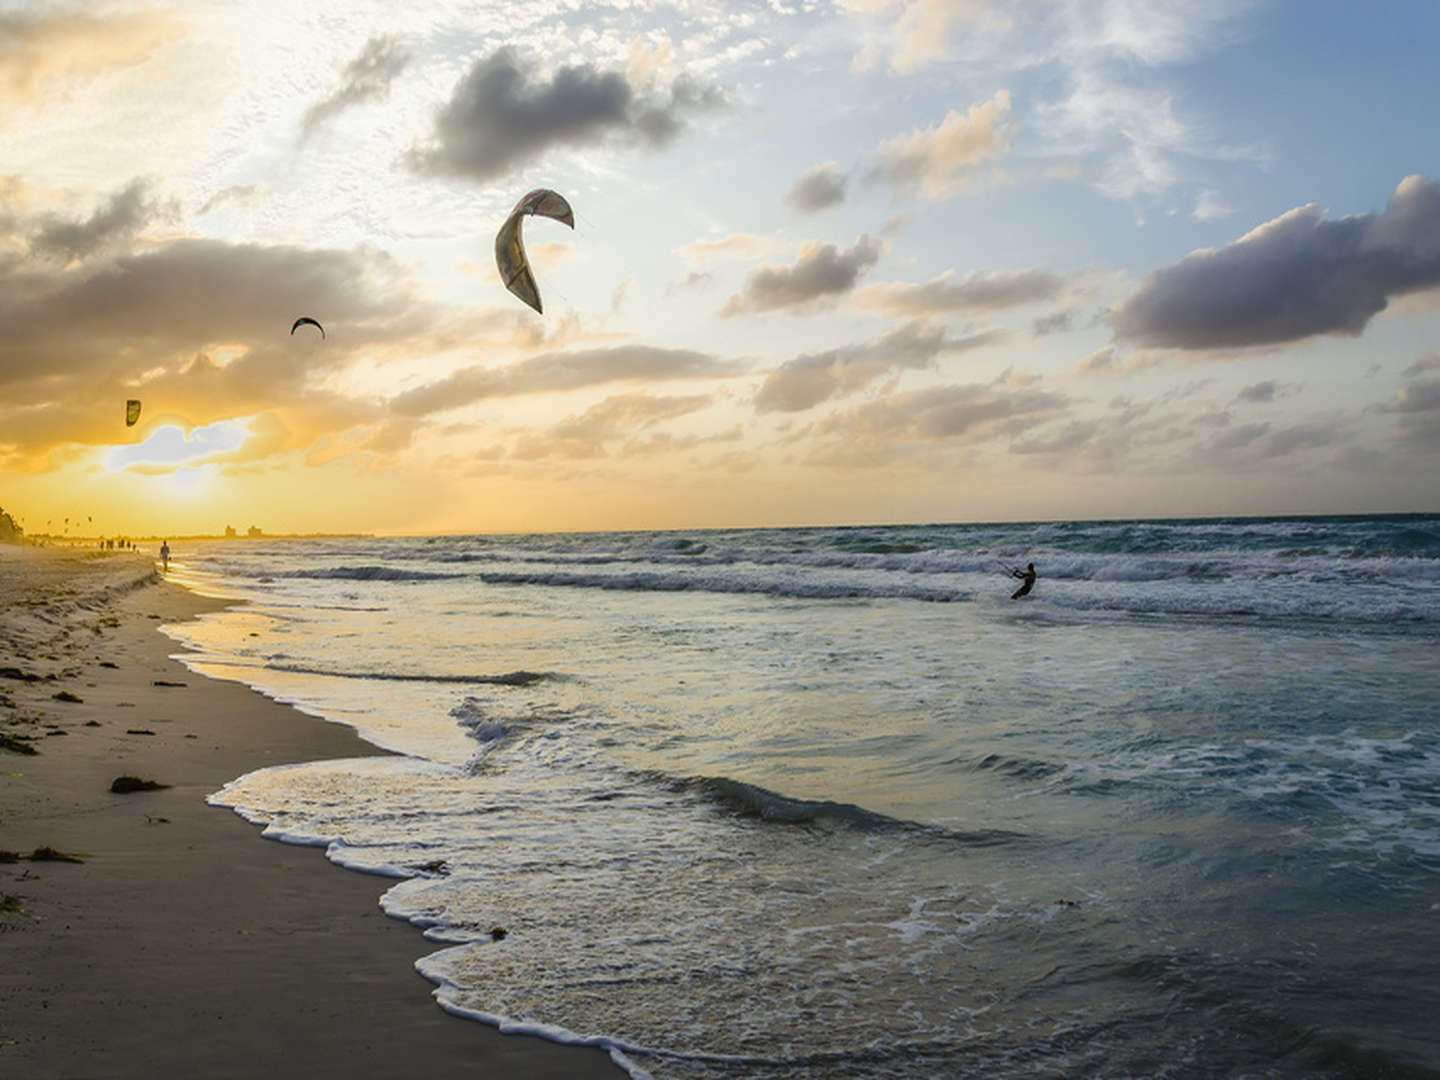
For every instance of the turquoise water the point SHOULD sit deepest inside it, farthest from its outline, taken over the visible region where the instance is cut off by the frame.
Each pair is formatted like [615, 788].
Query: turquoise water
[825, 802]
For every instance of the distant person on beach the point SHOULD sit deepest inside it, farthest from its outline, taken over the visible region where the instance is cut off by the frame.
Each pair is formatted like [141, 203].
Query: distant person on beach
[1027, 576]
[165, 559]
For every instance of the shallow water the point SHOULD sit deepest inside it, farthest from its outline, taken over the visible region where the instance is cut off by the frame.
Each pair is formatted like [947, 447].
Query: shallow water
[824, 802]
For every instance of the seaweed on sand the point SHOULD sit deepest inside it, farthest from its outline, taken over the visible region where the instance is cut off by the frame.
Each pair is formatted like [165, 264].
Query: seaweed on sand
[43, 854]
[16, 744]
[123, 785]
[49, 854]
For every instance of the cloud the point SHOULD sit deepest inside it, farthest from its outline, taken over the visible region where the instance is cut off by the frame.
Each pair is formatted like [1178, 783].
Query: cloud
[39, 52]
[1055, 323]
[1097, 84]
[367, 78]
[1114, 107]
[1292, 278]
[1108, 362]
[1073, 437]
[734, 246]
[123, 215]
[812, 378]
[1237, 437]
[1428, 362]
[617, 298]
[617, 417]
[233, 193]
[946, 412]
[1306, 436]
[503, 113]
[939, 161]
[1099, 362]
[822, 272]
[1417, 406]
[821, 187]
[921, 30]
[198, 329]
[979, 292]
[1262, 393]
[561, 371]
[188, 295]
[1421, 396]
[1210, 207]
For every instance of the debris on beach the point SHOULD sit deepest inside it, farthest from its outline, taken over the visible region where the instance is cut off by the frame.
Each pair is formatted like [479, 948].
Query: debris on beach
[49, 854]
[166, 682]
[434, 866]
[109, 664]
[498, 933]
[22, 676]
[42, 854]
[124, 785]
[66, 695]
[16, 744]
[138, 731]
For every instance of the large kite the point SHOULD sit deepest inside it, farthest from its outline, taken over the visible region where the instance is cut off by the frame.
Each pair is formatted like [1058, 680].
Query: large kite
[510, 257]
[132, 412]
[305, 320]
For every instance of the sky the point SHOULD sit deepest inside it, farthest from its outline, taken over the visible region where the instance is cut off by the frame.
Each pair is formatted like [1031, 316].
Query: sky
[833, 262]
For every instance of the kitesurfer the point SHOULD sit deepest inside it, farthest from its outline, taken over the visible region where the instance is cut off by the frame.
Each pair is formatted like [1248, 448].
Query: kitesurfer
[1027, 576]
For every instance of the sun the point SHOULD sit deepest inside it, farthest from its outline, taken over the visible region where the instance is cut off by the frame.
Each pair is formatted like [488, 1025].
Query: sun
[188, 481]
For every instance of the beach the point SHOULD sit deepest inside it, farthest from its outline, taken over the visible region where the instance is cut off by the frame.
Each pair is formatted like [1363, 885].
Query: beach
[181, 941]
[750, 804]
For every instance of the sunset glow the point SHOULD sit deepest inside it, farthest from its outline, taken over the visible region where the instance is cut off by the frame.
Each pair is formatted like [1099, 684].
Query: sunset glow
[840, 262]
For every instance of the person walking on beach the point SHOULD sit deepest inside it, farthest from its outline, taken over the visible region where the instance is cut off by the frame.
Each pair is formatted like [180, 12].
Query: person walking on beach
[165, 556]
[1027, 576]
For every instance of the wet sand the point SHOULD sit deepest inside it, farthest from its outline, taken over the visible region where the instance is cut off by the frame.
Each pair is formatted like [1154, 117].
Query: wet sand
[183, 941]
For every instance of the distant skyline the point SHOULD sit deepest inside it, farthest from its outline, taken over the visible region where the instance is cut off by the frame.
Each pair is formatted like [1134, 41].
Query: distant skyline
[858, 262]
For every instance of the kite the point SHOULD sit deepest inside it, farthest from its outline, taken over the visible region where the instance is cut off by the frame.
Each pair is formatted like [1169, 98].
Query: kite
[132, 412]
[510, 257]
[303, 320]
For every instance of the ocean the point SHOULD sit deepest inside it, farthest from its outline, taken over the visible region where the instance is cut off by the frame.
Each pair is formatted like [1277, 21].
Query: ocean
[825, 802]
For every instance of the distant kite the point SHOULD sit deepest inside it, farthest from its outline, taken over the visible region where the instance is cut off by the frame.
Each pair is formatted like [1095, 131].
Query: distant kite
[305, 319]
[132, 412]
[510, 257]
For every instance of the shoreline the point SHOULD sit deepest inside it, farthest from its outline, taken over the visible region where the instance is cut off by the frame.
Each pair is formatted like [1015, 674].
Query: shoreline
[184, 940]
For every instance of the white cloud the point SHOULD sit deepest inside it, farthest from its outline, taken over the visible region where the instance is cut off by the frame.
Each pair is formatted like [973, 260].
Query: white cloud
[938, 161]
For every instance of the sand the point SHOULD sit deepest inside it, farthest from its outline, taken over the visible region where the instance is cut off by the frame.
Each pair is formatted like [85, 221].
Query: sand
[184, 942]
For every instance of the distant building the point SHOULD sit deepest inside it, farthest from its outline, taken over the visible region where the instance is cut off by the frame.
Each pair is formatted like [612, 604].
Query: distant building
[229, 532]
[253, 532]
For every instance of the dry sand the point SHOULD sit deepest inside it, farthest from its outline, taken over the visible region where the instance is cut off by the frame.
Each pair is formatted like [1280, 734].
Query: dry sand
[184, 943]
